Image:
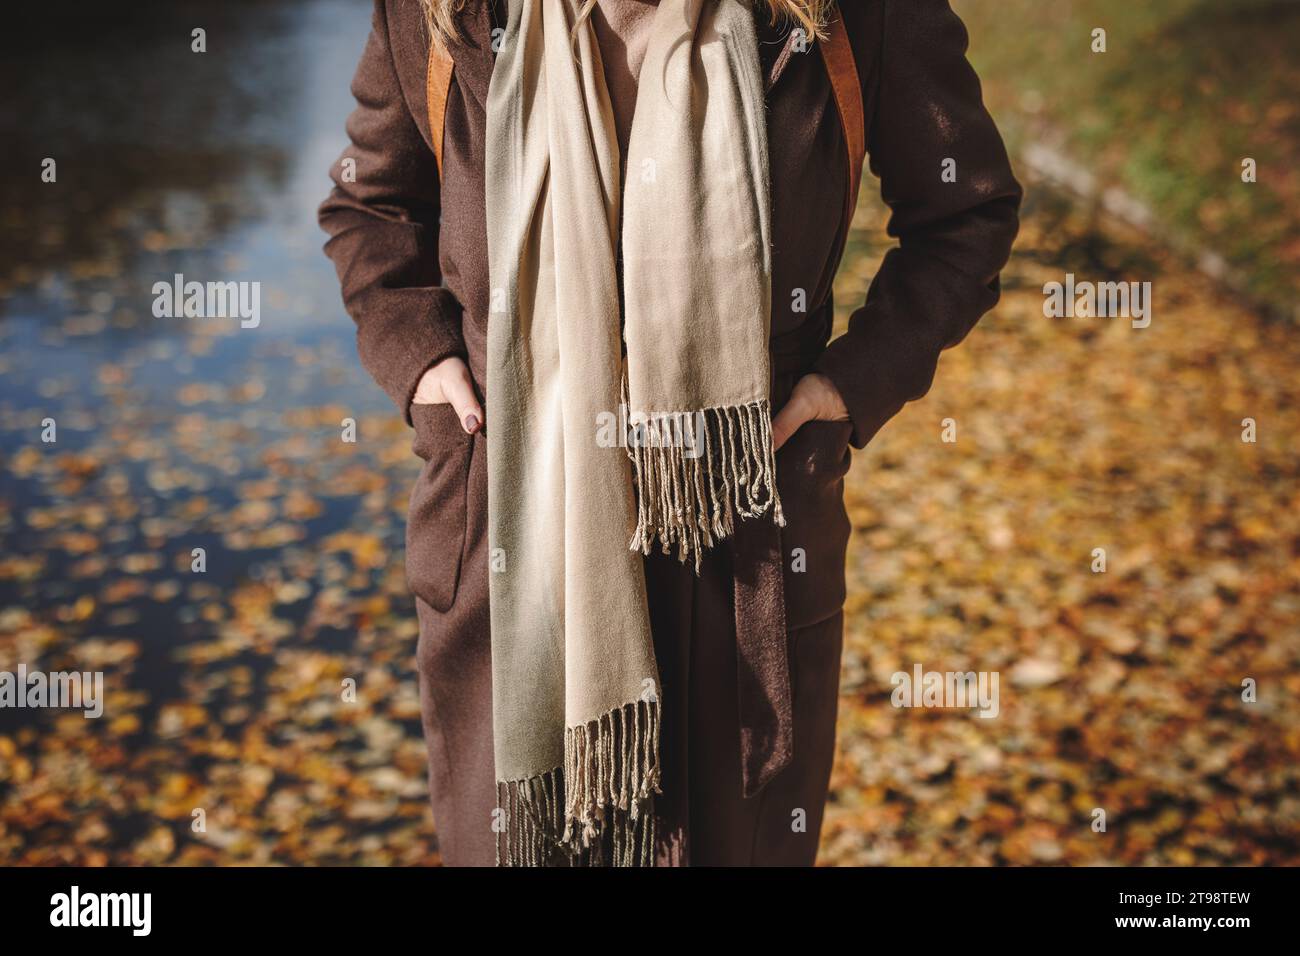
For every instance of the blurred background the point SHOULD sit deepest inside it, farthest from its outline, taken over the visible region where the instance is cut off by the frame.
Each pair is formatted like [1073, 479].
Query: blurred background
[1120, 690]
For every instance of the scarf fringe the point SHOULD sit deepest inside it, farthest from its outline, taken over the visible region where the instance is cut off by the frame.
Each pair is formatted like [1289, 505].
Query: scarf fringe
[693, 501]
[596, 810]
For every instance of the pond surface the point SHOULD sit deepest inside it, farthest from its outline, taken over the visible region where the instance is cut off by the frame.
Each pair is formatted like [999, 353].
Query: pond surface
[176, 434]
[168, 162]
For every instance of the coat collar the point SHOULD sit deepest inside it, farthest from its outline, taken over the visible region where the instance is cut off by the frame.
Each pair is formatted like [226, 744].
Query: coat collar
[472, 50]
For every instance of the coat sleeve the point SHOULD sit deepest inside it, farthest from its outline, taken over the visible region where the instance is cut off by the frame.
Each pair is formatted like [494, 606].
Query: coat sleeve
[954, 237]
[383, 231]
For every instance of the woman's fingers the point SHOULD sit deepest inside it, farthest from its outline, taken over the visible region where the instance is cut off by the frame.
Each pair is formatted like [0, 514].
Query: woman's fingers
[787, 421]
[459, 390]
[449, 382]
[814, 398]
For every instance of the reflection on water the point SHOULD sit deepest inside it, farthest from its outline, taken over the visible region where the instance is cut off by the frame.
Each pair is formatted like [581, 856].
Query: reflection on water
[182, 434]
[172, 160]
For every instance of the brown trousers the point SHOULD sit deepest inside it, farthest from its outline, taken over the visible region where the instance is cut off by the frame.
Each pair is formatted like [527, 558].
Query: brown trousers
[704, 820]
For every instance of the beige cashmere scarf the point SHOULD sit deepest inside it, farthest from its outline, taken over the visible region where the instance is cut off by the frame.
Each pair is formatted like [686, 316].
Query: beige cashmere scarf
[606, 437]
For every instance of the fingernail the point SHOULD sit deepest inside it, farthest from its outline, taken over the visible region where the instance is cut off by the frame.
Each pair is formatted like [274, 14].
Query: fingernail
[471, 423]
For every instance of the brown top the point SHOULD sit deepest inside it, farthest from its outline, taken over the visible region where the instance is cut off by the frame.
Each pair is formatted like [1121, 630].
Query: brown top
[623, 32]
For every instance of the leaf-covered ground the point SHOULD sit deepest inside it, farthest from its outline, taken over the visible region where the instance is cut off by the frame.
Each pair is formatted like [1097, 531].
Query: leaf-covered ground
[1119, 690]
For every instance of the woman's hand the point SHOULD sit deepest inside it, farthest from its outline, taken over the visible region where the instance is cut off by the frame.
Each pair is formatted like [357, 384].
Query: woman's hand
[449, 382]
[814, 399]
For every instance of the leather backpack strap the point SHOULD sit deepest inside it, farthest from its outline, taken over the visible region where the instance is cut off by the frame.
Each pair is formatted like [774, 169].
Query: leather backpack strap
[437, 84]
[847, 88]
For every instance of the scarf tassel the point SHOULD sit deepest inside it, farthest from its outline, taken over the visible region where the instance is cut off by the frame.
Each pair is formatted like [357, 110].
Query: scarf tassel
[697, 473]
[596, 810]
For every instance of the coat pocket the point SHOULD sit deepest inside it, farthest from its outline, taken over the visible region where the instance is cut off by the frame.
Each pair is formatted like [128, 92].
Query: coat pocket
[436, 519]
[810, 474]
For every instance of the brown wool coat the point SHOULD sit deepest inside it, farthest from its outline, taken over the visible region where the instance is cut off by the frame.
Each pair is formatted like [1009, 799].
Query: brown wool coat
[411, 257]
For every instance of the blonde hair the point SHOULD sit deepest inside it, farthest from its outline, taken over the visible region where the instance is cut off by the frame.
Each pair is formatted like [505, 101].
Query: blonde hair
[808, 15]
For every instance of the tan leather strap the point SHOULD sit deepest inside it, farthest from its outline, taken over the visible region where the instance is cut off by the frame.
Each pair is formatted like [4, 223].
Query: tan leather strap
[437, 83]
[845, 84]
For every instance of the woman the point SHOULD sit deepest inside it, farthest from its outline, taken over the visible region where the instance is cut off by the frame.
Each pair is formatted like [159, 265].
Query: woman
[630, 634]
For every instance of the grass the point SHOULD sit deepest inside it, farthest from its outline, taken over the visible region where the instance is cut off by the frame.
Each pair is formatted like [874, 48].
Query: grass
[1185, 91]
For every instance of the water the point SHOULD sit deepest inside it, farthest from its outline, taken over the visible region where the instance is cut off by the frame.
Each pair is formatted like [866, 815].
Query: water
[175, 434]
